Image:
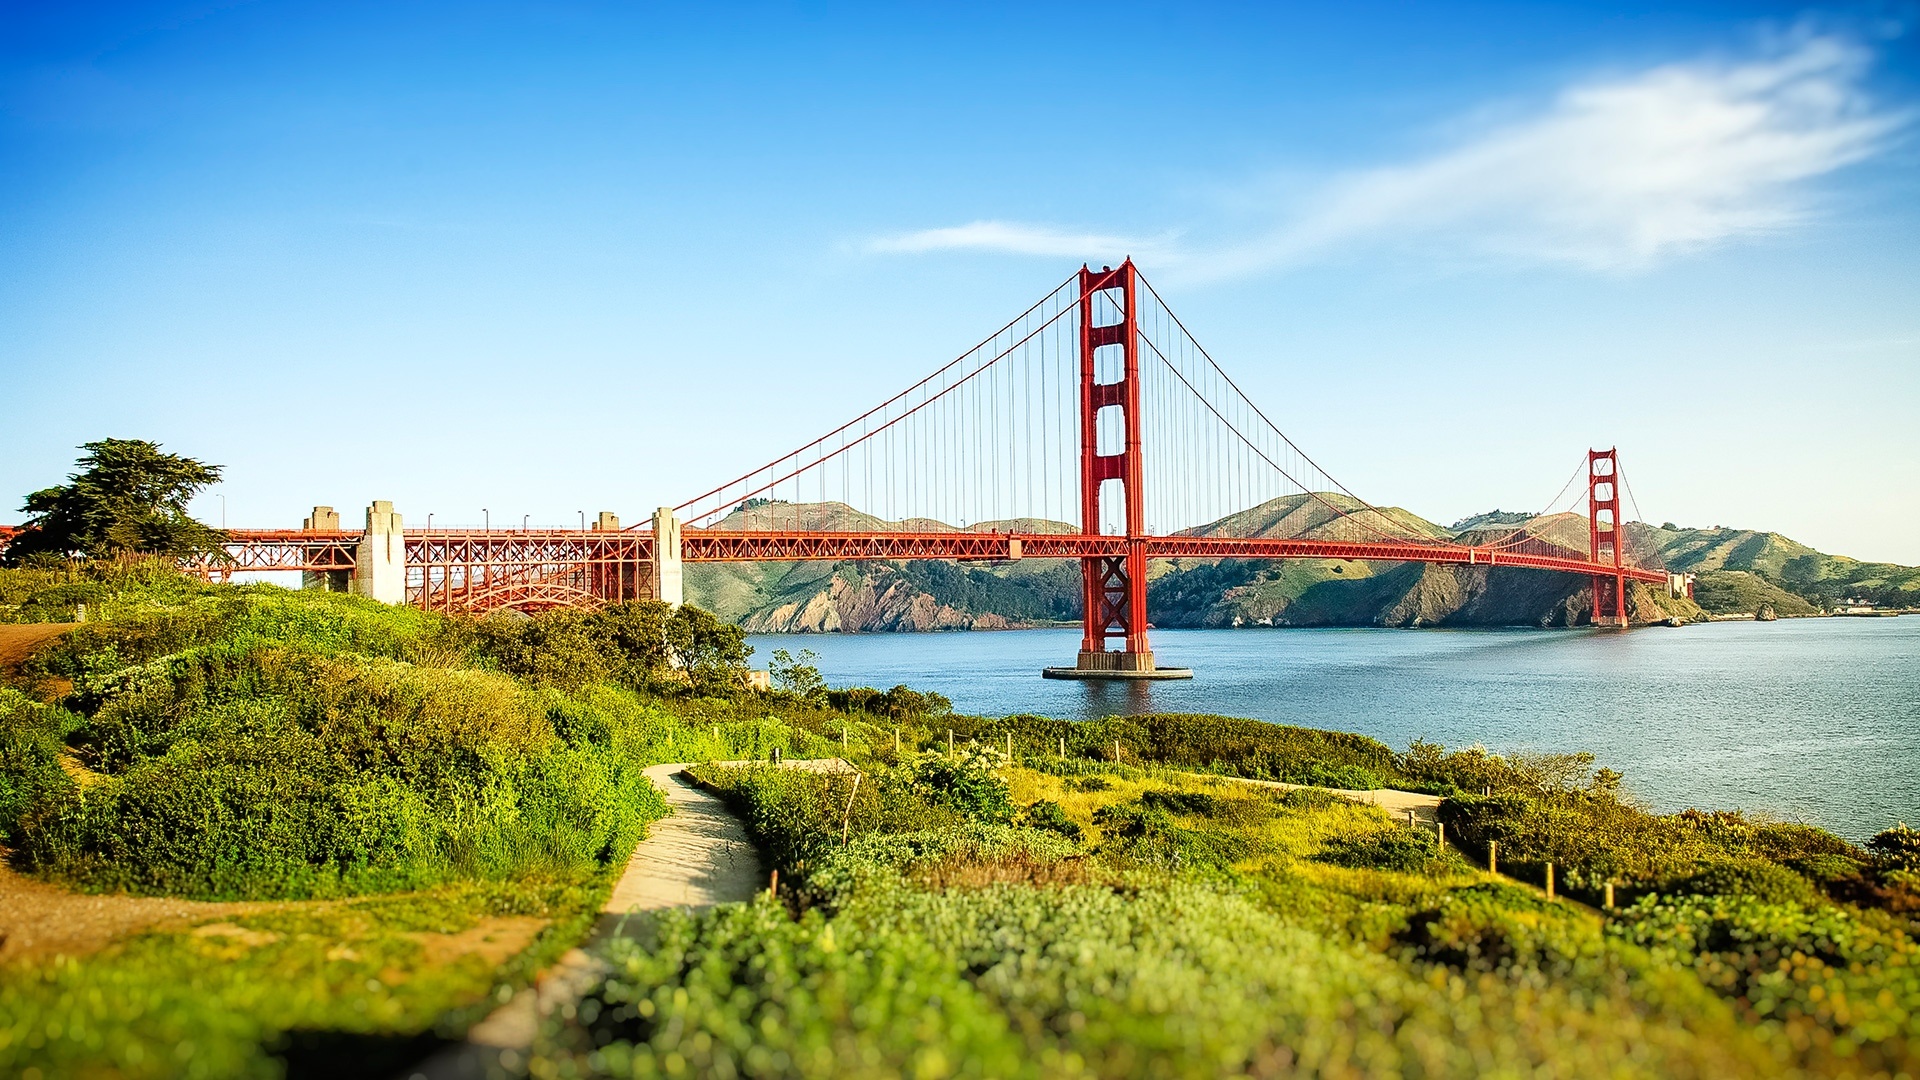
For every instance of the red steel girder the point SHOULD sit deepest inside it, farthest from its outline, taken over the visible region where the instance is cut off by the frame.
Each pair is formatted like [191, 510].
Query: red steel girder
[738, 546]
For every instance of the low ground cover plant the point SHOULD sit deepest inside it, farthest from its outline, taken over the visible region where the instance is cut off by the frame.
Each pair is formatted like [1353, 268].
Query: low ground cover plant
[991, 897]
[1292, 936]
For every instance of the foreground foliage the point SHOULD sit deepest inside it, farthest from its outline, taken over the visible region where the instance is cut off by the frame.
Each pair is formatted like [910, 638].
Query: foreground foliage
[1200, 927]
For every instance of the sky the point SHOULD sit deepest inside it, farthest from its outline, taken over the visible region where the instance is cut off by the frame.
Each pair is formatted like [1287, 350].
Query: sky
[544, 259]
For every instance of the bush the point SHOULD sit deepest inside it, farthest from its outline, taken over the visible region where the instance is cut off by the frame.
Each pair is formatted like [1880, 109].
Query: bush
[1403, 849]
[1048, 815]
[1898, 846]
[1198, 803]
[1763, 881]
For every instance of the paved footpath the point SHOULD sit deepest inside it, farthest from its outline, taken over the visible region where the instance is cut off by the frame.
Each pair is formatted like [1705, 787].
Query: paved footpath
[694, 858]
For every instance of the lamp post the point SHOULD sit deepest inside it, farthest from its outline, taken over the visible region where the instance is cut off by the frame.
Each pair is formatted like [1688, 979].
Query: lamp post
[429, 522]
[523, 521]
[487, 517]
[583, 519]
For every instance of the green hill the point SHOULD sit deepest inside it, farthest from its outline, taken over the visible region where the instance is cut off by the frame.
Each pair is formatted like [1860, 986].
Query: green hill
[1737, 570]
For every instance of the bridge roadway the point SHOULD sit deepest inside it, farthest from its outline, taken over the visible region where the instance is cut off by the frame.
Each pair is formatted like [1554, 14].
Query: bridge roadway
[313, 550]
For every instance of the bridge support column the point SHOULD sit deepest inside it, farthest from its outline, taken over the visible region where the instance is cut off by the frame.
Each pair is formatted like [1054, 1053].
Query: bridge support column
[667, 584]
[1606, 537]
[324, 519]
[1114, 586]
[380, 559]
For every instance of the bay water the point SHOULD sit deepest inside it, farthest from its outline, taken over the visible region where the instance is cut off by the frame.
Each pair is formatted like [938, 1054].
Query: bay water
[1814, 720]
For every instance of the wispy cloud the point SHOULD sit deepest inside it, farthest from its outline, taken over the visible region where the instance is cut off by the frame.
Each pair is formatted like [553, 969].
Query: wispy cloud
[1613, 174]
[1017, 238]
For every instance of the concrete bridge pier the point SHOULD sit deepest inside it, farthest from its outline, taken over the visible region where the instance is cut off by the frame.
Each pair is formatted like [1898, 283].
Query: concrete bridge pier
[324, 519]
[380, 559]
[667, 584]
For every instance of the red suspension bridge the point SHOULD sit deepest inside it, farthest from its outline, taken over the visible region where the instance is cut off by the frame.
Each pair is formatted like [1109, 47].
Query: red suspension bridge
[1092, 427]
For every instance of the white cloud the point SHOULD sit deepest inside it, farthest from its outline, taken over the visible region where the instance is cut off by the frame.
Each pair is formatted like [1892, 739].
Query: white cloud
[1017, 238]
[1611, 174]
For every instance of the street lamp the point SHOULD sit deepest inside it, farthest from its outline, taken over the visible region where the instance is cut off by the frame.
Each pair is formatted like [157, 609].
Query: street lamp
[583, 519]
[487, 517]
[429, 522]
[523, 521]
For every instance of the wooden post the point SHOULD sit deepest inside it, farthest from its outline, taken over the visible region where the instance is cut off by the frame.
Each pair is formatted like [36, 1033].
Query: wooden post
[1493, 856]
[1009, 747]
[1608, 902]
[847, 819]
[896, 738]
[773, 885]
[843, 739]
[1116, 751]
[1063, 746]
[1440, 830]
[1412, 819]
[1549, 881]
[949, 742]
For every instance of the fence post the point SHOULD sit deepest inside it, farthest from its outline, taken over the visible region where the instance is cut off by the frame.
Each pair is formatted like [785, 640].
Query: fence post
[1549, 881]
[1009, 747]
[773, 884]
[896, 738]
[949, 742]
[1440, 830]
[1609, 899]
[843, 739]
[1063, 746]
[1116, 751]
[1493, 856]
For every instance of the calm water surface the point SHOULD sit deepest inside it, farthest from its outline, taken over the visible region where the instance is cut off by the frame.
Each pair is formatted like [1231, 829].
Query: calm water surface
[1804, 719]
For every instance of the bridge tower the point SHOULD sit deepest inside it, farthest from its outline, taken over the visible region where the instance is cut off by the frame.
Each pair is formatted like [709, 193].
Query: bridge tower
[1606, 537]
[1114, 586]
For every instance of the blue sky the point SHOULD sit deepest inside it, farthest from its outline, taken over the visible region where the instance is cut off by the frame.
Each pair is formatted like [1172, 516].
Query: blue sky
[569, 257]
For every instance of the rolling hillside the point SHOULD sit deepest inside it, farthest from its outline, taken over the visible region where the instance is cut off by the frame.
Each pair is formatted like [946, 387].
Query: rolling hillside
[1738, 571]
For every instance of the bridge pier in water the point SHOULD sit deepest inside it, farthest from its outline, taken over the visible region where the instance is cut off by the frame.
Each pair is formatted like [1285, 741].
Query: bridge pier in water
[1606, 539]
[1114, 595]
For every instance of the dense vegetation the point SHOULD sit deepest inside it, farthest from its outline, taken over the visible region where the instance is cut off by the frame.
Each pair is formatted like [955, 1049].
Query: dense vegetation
[473, 779]
[1059, 916]
[1722, 557]
[128, 498]
[993, 897]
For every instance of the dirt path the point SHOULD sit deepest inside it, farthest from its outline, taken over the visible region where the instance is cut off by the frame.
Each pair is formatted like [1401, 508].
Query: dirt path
[38, 919]
[1392, 800]
[697, 856]
[19, 640]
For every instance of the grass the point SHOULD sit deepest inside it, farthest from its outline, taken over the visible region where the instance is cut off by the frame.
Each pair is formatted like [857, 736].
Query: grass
[1142, 920]
[359, 984]
[435, 808]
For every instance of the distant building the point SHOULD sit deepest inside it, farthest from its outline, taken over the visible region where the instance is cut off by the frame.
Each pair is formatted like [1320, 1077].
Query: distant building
[1856, 607]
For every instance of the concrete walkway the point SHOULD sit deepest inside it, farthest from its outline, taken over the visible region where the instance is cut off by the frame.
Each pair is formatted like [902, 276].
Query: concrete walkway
[694, 858]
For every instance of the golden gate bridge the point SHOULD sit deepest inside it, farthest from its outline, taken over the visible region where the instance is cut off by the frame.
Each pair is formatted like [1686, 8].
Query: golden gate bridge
[1091, 427]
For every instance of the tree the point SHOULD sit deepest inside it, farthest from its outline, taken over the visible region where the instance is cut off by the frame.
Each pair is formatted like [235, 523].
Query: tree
[797, 674]
[127, 499]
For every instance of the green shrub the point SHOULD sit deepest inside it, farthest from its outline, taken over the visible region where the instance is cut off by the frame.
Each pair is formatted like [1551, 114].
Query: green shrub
[1764, 881]
[1047, 814]
[1403, 849]
[1845, 990]
[1898, 846]
[1198, 803]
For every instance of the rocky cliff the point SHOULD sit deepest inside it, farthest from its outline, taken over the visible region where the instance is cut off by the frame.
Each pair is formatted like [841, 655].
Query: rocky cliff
[1739, 570]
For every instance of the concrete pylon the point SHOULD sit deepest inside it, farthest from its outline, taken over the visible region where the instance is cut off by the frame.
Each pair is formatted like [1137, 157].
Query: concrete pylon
[380, 559]
[324, 519]
[666, 557]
